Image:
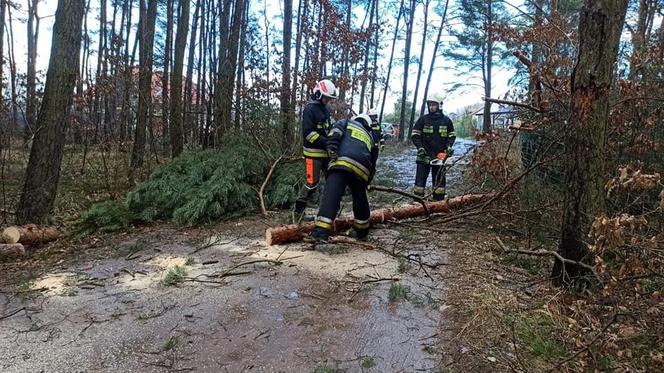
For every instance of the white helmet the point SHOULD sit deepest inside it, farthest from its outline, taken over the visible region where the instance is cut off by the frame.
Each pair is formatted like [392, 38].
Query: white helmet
[325, 88]
[364, 118]
[435, 99]
[373, 114]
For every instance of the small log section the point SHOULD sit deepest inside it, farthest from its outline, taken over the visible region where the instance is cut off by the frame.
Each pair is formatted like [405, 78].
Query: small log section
[30, 234]
[11, 250]
[293, 232]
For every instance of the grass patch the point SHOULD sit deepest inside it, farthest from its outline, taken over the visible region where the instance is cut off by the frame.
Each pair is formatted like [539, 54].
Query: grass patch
[25, 286]
[368, 362]
[398, 292]
[174, 276]
[189, 261]
[537, 333]
[171, 343]
[403, 265]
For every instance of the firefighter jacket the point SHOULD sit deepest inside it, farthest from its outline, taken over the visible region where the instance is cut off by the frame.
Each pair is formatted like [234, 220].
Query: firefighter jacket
[434, 132]
[315, 124]
[355, 148]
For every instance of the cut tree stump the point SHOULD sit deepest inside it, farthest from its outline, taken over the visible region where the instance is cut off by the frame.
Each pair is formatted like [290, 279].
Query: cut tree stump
[30, 234]
[11, 250]
[293, 232]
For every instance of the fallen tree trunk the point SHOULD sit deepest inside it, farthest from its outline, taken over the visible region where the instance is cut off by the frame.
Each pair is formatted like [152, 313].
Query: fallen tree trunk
[10, 250]
[30, 234]
[293, 232]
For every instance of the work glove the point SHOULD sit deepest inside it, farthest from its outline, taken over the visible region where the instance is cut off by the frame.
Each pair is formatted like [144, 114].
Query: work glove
[332, 153]
[422, 156]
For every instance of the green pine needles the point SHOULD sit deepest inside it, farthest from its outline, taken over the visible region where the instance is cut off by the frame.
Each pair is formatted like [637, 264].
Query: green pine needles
[199, 187]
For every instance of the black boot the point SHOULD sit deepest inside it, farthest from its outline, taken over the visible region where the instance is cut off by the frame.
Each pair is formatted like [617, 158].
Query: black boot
[360, 234]
[299, 207]
[318, 235]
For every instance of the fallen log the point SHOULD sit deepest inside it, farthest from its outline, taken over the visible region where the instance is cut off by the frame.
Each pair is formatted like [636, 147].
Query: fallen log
[30, 234]
[11, 250]
[293, 232]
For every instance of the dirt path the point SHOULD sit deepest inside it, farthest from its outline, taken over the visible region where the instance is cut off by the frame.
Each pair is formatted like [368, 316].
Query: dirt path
[340, 306]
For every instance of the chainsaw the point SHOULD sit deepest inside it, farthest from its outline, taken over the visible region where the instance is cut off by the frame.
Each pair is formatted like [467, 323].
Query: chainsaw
[439, 160]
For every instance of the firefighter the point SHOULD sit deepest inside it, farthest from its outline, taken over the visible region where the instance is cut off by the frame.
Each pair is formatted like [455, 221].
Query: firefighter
[433, 136]
[315, 125]
[375, 126]
[353, 153]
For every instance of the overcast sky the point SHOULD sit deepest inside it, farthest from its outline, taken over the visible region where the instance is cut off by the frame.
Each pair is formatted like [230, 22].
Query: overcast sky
[442, 80]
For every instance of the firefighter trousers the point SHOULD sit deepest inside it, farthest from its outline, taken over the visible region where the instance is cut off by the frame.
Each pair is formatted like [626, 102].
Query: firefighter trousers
[313, 167]
[437, 180]
[335, 185]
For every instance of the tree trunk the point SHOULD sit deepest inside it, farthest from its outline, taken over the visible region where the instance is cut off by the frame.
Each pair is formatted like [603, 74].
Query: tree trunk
[3, 5]
[346, 56]
[31, 77]
[287, 116]
[165, 76]
[600, 27]
[406, 64]
[365, 67]
[433, 58]
[295, 232]
[301, 26]
[228, 65]
[30, 234]
[374, 70]
[486, 119]
[419, 68]
[389, 64]
[188, 100]
[177, 126]
[148, 16]
[43, 172]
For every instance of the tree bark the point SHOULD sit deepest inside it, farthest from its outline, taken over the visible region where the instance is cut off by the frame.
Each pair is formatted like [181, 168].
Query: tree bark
[147, 20]
[43, 172]
[419, 67]
[600, 27]
[374, 70]
[294, 232]
[365, 67]
[177, 119]
[188, 100]
[31, 77]
[227, 69]
[301, 26]
[406, 65]
[389, 64]
[166, 88]
[30, 234]
[287, 116]
[486, 119]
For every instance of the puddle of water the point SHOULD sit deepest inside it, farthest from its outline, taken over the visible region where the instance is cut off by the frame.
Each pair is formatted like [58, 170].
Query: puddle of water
[404, 163]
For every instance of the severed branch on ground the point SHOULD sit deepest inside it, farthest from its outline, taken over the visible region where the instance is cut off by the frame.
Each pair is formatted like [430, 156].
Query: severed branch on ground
[267, 179]
[555, 254]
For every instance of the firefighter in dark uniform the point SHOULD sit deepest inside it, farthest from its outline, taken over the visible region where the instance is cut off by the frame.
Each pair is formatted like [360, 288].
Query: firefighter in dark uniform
[353, 153]
[375, 127]
[315, 125]
[433, 135]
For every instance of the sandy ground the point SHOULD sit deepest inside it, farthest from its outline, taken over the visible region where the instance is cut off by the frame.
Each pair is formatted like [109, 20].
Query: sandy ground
[327, 307]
